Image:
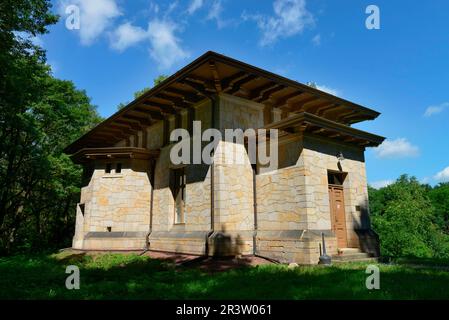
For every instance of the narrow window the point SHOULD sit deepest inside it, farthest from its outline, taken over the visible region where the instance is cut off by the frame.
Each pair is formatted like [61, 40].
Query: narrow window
[108, 168]
[109, 229]
[118, 168]
[179, 193]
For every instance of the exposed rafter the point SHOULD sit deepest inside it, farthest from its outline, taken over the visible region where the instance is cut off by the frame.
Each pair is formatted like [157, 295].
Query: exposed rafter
[187, 97]
[142, 121]
[202, 86]
[152, 114]
[298, 106]
[263, 93]
[164, 108]
[283, 101]
[228, 82]
[130, 124]
[341, 116]
[236, 86]
[215, 75]
[177, 102]
[323, 109]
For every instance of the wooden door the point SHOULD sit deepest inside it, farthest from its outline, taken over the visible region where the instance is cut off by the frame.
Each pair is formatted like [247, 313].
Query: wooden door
[338, 216]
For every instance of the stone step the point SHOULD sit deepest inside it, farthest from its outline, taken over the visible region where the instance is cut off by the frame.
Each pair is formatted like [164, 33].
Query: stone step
[348, 250]
[351, 256]
[371, 259]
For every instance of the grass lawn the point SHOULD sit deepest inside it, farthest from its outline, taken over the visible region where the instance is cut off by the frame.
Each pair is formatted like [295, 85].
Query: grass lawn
[116, 276]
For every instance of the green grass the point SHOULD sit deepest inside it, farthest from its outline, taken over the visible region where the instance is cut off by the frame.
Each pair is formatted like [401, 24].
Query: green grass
[115, 276]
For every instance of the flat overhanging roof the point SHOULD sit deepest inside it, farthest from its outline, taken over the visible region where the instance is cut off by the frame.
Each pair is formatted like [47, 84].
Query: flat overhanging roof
[88, 154]
[311, 124]
[212, 74]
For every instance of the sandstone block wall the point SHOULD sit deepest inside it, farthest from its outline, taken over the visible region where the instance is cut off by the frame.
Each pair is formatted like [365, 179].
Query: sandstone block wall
[119, 201]
[190, 236]
[319, 156]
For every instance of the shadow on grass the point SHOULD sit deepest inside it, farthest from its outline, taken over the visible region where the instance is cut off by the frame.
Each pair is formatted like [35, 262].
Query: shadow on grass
[115, 276]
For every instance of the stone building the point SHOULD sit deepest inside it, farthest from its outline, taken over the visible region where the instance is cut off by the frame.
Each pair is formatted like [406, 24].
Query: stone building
[135, 198]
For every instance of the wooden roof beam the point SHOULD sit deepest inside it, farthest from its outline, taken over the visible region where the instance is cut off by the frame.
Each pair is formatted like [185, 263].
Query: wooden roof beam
[329, 112]
[131, 124]
[350, 139]
[124, 131]
[236, 86]
[353, 118]
[187, 97]
[119, 125]
[334, 135]
[364, 143]
[313, 105]
[159, 107]
[228, 82]
[319, 131]
[177, 101]
[283, 101]
[298, 107]
[215, 75]
[262, 93]
[340, 117]
[146, 112]
[202, 86]
[321, 110]
[142, 121]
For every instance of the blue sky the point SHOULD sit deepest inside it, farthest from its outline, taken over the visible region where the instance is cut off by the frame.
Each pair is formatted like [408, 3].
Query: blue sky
[401, 70]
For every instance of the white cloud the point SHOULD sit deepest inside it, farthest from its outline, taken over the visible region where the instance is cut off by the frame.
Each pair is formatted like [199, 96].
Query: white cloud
[432, 110]
[398, 148]
[215, 12]
[95, 17]
[443, 176]
[165, 46]
[290, 18]
[316, 40]
[194, 6]
[381, 184]
[127, 35]
[329, 90]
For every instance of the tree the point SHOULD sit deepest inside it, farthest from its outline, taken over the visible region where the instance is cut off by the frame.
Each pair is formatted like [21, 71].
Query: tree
[159, 79]
[403, 216]
[39, 115]
[137, 94]
[439, 195]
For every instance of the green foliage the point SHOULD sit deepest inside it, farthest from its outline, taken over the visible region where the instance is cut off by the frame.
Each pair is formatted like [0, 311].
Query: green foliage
[159, 79]
[440, 199]
[140, 92]
[137, 94]
[405, 218]
[114, 276]
[39, 116]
